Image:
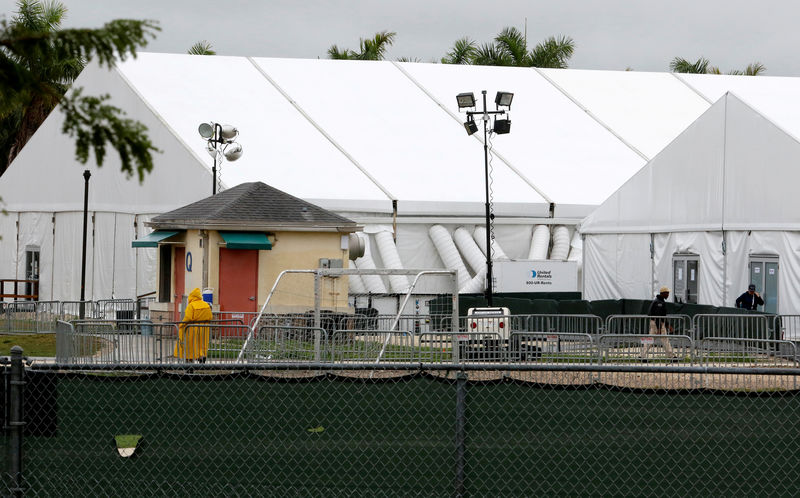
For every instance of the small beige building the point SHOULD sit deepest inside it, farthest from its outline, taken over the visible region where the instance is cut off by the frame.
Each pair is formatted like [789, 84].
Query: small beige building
[236, 243]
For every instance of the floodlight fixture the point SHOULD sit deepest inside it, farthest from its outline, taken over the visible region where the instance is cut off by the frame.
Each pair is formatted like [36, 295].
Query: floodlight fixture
[502, 126]
[470, 126]
[228, 132]
[206, 130]
[465, 100]
[233, 152]
[503, 99]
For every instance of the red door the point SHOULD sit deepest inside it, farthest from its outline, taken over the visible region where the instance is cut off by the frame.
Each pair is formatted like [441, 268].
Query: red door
[179, 265]
[238, 279]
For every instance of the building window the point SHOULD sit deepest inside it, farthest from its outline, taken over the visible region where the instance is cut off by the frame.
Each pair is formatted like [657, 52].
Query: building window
[31, 270]
[685, 277]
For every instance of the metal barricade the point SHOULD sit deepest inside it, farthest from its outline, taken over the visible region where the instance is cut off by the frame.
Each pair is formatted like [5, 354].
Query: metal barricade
[71, 310]
[276, 343]
[739, 326]
[65, 352]
[115, 342]
[47, 314]
[553, 347]
[461, 347]
[115, 309]
[372, 346]
[574, 324]
[639, 348]
[641, 324]
[20, 317]
[787, 327]
[744, 352]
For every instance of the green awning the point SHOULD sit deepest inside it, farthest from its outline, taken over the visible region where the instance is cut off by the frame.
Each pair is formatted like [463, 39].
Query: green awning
[246, 240]
[152, 239]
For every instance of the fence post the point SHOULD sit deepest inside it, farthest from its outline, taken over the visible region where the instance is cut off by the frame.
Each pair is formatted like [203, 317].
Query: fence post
[461, 431]
[15, 422]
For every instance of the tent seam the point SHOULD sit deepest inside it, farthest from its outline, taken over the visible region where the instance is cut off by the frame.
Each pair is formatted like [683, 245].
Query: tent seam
[475, 136]
[690, 87]
[319, 128]
[590, 113]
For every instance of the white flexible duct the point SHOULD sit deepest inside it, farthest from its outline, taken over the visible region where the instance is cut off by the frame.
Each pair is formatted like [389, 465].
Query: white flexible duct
[356, 284]
[576, 249]
[469, 250]
[391, 259]
[479, 234]
[448, 252]
[373, 283]
[539, 243]
[476, 285]
[560, 249]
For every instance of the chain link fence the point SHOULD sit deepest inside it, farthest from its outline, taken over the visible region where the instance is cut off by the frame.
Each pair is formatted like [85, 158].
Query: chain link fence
[356, 429]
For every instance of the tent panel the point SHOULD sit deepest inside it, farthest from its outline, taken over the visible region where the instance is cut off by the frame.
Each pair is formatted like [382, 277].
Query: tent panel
[58, 183]
[680, 187]
[647, 110]
[281, 148]
[66, 266]
[36, 231]
[104, 265]
[390, 126]
[124, 257]
[761, 173]
[777, 97]
[555, 145]
[146, 259]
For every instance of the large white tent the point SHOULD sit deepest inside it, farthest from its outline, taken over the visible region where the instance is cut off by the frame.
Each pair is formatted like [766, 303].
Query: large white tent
[724, 192]
[379, 142]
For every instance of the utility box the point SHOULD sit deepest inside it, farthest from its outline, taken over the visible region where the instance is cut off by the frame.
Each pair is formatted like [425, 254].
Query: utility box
[535, 276]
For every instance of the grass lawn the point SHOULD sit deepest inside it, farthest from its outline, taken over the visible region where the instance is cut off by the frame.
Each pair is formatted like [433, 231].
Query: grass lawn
[32, 344]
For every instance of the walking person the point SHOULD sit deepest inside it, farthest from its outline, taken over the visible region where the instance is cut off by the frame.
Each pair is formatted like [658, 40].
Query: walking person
[750, 300]
[193, 340]
[658, 324]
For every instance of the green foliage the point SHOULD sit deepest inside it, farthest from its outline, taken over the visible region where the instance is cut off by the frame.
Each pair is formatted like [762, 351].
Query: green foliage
[701, 66]
[202, 48]
[38, 62]
[371, 49]
[509, 48]
[94, 124]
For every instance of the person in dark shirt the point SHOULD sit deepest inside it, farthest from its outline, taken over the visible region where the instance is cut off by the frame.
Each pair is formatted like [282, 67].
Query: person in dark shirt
[658, 324]
[750, 300]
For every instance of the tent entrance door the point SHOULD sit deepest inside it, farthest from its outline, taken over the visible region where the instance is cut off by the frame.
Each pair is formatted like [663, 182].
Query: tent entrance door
[685, 277]
[764, 274]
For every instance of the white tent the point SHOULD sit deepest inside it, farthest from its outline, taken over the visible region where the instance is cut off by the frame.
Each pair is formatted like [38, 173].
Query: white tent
[379, 142]
[723, 194]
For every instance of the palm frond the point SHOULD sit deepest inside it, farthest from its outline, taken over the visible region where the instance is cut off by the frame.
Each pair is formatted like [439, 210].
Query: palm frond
[681, 65]
[335, 53]
[202, 48]
[490, 54]
[554, 52]
[512, 42]
[462, 52]
[754, 69]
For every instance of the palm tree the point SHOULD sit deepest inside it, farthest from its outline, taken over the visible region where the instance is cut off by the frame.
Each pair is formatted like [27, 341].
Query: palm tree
[701, 66]
[38, 62]
[371, 49]
[202, 48]
[509, 48]
[20, 121]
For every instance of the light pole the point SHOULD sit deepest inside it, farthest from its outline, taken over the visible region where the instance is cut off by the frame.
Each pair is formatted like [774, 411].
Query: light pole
[86, 175]
[500, 127]
[220, 142]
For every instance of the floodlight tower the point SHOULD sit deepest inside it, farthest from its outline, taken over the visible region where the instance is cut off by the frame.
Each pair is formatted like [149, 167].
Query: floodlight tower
[500, 127]
[220, 142]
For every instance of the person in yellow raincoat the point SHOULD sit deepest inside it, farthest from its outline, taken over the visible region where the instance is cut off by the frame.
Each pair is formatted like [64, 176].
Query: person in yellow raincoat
[193, 342]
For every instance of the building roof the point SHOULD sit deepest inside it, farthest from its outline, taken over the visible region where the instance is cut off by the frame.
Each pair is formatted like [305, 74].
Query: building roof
[254, 206]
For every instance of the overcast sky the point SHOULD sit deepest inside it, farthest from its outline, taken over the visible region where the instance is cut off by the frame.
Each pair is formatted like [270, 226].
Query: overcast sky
[609, 34]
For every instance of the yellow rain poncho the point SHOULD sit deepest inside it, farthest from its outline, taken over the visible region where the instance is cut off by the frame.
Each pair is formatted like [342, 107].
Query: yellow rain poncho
[193, 342]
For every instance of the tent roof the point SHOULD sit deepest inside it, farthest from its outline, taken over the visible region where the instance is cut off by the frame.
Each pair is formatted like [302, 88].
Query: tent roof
[356, 135]
[732, 169]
